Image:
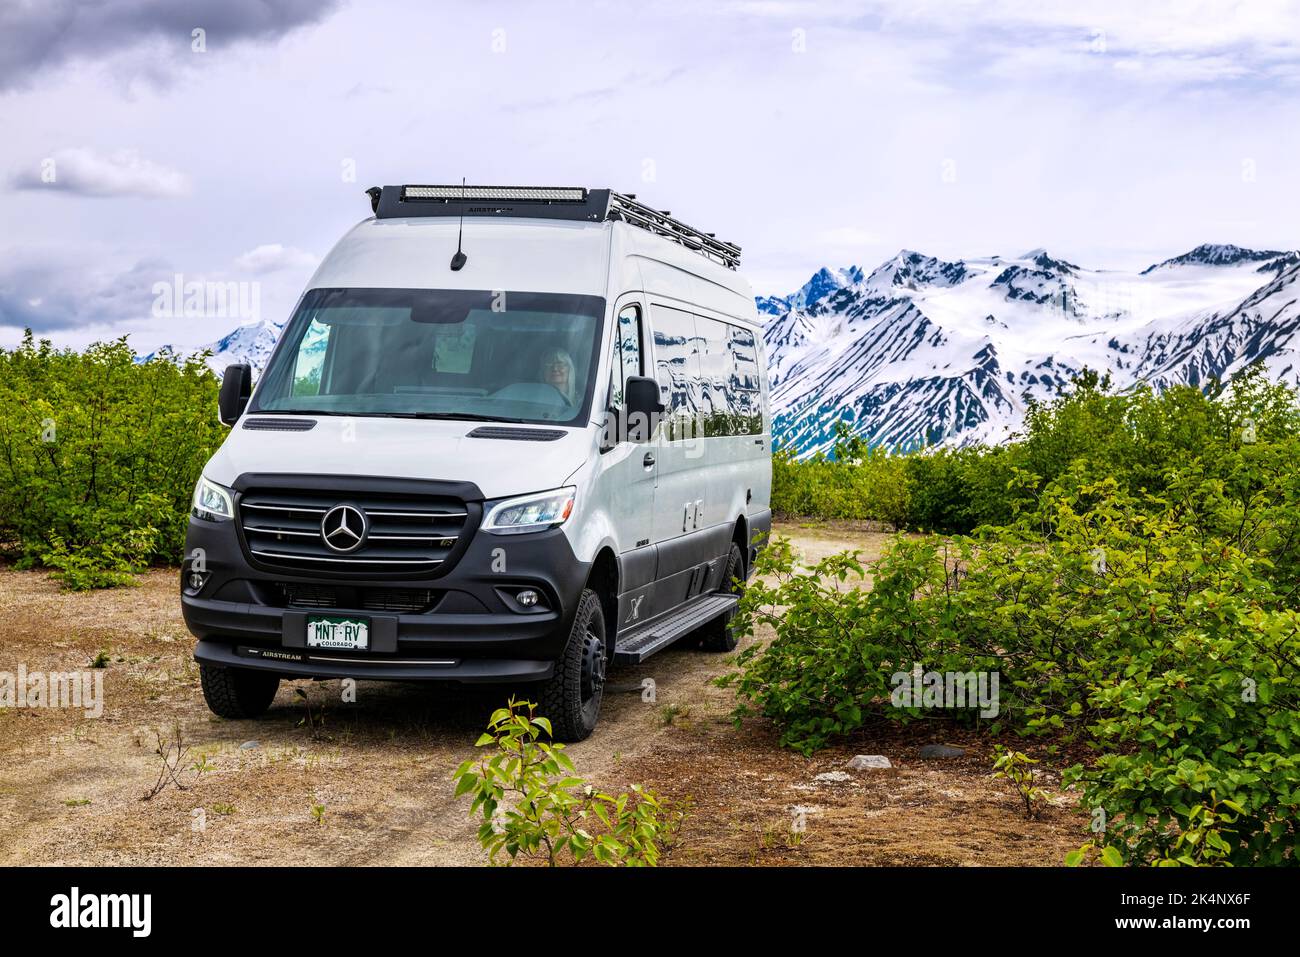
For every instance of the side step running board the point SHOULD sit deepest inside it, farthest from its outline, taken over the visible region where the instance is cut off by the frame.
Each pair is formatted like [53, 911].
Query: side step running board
[638, 645]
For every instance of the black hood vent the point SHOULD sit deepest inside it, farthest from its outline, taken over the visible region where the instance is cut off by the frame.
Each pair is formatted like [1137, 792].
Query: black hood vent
[518, 435]
[280, 425]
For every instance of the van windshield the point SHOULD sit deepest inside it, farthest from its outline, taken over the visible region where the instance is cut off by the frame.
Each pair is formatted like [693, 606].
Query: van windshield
[492, 354]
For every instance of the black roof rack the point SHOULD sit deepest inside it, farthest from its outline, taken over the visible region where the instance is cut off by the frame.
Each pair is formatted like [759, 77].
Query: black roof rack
[574, 203]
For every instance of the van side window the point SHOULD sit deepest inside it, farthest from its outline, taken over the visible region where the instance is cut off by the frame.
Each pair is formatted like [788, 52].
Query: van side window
[626, 360]
[677, 369]
[716, 402]
[746, 399]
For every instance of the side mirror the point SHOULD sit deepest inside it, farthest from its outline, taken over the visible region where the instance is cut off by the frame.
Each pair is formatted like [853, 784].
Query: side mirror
[236, 387]
[642, 407]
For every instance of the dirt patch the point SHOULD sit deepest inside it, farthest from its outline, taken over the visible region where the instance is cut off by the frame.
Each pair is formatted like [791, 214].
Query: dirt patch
[369, 783]
[754, 803]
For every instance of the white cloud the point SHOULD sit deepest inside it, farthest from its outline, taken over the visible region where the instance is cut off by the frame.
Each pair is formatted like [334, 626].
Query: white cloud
[88, 173]
[273, 257]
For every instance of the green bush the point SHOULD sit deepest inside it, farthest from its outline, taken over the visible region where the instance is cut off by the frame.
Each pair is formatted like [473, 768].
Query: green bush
[99, 454]
[1138, 438]
[1203, 729]
[873, 488]
[1154, 628]
[957, 490]
[104, 565]
[533, 805]
[1018, 768]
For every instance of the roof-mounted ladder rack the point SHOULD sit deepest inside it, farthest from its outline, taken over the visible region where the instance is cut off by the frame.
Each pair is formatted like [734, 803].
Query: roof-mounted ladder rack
[626, 208]
[571, 203]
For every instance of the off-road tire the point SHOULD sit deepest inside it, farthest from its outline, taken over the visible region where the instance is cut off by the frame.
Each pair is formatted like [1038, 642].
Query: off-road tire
[718, 635]
[237, 692]
[571, 697]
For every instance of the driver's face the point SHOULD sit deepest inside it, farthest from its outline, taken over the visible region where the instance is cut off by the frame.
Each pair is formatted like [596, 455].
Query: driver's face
[557, 372]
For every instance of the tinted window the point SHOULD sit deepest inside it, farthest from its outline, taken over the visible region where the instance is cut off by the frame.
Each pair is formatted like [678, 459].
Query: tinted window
[677, 368]
[626, 360]
[744, 392]
[717, 404]
[708, 372]
[512, 356]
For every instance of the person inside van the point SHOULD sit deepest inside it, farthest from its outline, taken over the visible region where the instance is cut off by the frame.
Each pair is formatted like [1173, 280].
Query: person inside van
[557, 370]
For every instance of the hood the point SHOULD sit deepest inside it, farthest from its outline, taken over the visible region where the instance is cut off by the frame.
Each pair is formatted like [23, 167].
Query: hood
[404, 448]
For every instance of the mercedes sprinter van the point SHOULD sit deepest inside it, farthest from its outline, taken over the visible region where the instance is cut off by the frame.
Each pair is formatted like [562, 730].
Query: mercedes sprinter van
[509, 435]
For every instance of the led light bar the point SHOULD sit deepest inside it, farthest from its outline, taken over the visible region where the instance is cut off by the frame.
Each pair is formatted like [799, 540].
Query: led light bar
[517, 193]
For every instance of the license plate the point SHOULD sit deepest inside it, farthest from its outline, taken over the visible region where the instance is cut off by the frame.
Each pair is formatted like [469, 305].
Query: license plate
[338, 634]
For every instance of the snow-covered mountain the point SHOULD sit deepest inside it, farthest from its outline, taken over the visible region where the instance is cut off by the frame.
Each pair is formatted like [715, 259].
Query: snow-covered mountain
[823, 282]
[924, 351]
[1211, 254]
[251, 343]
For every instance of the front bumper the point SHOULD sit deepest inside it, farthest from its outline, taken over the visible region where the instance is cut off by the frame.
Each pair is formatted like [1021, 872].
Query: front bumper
[302, 664]
[473, 632]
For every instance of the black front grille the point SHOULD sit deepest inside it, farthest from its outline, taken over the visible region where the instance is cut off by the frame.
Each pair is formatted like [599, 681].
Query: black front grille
[406, 534]
[314, 595]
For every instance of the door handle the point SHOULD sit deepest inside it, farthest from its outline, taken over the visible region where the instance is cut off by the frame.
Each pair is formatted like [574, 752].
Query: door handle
[649, 460]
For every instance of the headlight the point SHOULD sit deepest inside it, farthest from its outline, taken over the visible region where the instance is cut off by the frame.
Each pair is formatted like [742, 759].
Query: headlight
[531, 513]
[212, 501]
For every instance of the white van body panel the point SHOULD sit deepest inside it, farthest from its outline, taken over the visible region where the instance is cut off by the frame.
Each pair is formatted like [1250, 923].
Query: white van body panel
[546, 256]
[403, 448]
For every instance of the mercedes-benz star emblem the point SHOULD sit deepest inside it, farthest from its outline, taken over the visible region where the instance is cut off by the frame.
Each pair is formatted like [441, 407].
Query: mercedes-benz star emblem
[344, 528]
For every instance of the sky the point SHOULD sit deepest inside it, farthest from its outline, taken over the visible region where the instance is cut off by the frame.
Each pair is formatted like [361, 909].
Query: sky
[150, 144]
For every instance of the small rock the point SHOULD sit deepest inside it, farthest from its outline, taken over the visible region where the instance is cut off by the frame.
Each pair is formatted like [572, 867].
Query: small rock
[942, 751]
[863, 762]
[249, 746]
[833, 777]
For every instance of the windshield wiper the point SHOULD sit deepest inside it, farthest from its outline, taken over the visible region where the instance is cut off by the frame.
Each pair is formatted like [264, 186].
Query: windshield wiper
[298, 412]
[467, 416]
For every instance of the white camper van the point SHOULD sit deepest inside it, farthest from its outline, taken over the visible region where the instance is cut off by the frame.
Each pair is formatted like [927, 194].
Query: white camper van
[510, 435]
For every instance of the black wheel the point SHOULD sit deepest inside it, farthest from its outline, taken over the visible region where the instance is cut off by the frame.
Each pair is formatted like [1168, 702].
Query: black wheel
[571, 697]
[237, 692]
[718, 635]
